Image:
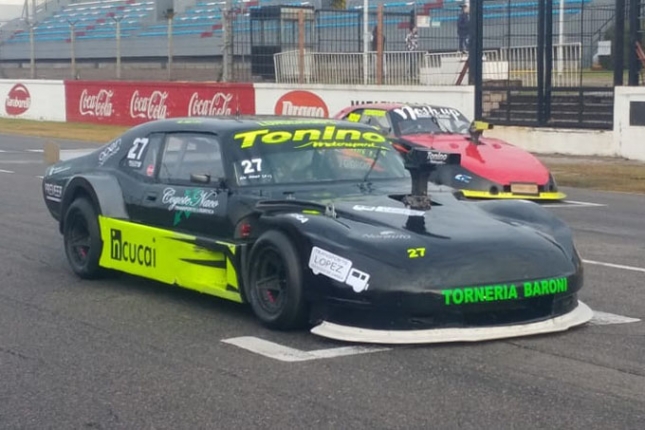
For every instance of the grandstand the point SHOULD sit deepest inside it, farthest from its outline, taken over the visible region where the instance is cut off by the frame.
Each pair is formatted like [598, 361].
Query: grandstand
[197, 30]
[202, 19]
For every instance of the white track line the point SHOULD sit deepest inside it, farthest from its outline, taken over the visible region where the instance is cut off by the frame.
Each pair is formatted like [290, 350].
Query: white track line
[290, 355]
[615, 266]
[6, 171]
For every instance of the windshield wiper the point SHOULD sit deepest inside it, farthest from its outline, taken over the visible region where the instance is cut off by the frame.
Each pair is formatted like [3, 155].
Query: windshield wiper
[378, 153]
[439, 126]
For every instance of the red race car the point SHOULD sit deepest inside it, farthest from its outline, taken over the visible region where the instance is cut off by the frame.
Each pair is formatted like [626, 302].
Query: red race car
[490, 168]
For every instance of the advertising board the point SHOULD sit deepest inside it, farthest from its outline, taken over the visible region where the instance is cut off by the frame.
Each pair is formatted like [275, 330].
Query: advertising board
[132, 103]
[328, 100]
[32, 99]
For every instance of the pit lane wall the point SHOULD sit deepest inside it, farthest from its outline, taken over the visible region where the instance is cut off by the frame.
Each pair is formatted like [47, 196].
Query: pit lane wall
[128, 103]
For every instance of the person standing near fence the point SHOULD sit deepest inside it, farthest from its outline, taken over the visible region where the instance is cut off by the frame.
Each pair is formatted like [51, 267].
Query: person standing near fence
[463, 28]
[412, 44]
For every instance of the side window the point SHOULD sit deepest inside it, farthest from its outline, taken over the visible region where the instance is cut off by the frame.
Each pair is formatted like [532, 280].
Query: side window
[141, 156]
[376, 117]
[190, 153]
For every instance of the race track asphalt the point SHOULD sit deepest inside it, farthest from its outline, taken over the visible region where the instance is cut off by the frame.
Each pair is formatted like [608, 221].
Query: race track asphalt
[127, 353]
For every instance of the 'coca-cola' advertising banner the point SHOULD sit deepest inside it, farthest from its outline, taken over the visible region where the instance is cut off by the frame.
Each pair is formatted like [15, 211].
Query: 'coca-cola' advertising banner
[132, 103]
[31, 99]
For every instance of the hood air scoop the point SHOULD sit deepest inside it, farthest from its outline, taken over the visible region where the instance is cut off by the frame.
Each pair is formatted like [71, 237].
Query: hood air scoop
[420, 162]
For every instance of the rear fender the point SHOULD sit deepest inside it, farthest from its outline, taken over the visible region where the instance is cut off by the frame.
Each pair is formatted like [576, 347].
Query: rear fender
[104, 192]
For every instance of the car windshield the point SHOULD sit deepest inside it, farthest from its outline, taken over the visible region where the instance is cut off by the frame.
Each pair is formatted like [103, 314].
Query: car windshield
[313, 153]
[429, 119]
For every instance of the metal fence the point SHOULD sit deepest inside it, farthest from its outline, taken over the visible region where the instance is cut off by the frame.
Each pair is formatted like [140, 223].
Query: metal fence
[517, 64]
[529, 60]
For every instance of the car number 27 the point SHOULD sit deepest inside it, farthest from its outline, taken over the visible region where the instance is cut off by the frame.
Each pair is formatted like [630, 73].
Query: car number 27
[416, 252]
[252, 166]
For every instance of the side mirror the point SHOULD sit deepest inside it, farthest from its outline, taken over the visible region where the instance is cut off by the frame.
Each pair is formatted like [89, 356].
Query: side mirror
[477, 128]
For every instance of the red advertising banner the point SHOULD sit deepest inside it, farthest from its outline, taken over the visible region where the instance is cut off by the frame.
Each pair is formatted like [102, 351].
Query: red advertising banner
[130, 103]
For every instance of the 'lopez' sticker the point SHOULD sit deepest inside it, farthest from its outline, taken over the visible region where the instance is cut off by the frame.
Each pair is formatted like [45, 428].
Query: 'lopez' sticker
[337, 268]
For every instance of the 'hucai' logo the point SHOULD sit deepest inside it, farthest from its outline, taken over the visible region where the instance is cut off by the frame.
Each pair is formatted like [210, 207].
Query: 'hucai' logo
[129, 252]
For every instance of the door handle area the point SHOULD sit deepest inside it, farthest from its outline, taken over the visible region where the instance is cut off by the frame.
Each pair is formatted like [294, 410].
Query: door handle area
[151, 197]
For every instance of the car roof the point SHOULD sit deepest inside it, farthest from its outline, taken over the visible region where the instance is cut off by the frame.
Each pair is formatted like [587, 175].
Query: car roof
[391, 106]
[227, 124]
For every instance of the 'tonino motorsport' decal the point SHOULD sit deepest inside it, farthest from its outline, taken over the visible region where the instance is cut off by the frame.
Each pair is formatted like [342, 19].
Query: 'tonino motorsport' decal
[329, 137]
[129, 252]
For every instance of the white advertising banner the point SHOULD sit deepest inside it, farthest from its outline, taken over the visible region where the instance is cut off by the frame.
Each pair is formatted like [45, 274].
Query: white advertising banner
[327, 100]
[32, 99]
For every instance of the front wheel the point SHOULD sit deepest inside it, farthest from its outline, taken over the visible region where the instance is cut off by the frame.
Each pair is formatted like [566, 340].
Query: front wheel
[82, 237]
[275, 290]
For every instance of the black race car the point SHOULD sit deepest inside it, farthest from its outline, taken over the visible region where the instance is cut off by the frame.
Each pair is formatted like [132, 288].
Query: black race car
[316, 222]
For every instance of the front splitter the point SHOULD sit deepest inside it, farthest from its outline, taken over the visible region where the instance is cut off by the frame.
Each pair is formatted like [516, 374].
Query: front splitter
[546, 196]
[578, 316]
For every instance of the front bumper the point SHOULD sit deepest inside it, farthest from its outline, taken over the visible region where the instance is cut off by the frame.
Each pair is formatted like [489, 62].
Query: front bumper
[579, 315]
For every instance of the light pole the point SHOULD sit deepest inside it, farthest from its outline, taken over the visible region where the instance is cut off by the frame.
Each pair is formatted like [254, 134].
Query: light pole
[171, 15]
[561, 38]
[227, 57]
[366, 40]
[32, 50]
[118, 19]
[72, 41]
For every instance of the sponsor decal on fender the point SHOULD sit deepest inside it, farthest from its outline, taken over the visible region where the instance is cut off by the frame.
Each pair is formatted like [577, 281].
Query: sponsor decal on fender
[109, 151]
[98, 105]
[18, 100]
[301, 103]
[217, 105]
[53, 192]
[149, 107]
[129, 252]
[322, 262]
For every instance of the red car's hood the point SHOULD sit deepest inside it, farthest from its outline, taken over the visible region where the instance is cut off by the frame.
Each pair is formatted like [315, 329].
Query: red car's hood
[493, 159]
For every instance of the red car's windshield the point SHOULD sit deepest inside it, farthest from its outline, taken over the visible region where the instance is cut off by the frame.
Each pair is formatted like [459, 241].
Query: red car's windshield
[429, 119]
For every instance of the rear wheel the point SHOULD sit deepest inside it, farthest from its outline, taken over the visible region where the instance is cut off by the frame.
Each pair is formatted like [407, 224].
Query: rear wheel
[275, 283]
[82, 237]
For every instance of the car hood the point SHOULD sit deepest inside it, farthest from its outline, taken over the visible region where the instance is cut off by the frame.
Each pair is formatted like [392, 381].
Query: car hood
[491, 158]
[463, 243]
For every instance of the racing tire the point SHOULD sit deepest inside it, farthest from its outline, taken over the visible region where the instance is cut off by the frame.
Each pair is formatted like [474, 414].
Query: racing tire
[82, 239]
[274, 288]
